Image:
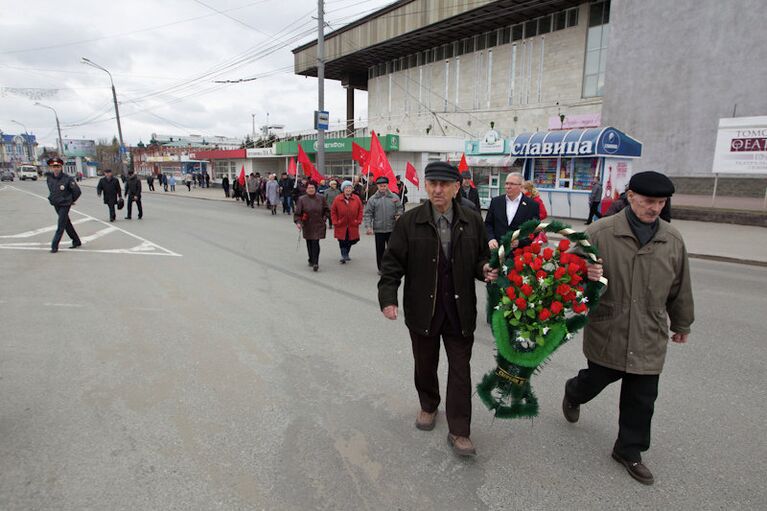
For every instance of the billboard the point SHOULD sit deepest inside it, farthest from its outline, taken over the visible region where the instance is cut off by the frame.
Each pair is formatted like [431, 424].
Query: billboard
[741, 146]
[83, 148]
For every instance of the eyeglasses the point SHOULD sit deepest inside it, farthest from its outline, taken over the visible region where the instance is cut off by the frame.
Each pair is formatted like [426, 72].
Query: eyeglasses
[514, 184]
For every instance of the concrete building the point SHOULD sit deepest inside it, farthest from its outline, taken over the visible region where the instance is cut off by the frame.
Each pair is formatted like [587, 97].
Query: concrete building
[17, 149]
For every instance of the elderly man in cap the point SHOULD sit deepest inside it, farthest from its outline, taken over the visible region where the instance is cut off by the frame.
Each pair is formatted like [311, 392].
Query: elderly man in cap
[645, 262]
[110, 187]
[381, 212]
[440, 248]
[63, 193]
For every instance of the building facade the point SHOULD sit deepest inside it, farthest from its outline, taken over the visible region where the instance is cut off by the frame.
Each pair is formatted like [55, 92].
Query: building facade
[17, 149]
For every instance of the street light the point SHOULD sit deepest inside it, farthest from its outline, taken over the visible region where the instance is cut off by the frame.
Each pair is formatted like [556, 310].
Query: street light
[117, 110]
[30, 156]
[58, 127]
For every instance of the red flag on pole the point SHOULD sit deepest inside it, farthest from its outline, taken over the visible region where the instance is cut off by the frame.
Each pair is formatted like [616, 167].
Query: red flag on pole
[308, 167]
[411, 175]
[463, 167]
[241, 179]
[359, 154]
[292, 167]
[379, 164]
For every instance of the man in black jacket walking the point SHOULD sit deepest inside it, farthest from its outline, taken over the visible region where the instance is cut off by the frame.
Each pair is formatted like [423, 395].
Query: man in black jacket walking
[110, 187]
[133, 193]
[63, 193]
[468, 191]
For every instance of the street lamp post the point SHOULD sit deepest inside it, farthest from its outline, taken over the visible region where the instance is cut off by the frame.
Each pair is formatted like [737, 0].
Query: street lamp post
[58, 127]
[117, 110]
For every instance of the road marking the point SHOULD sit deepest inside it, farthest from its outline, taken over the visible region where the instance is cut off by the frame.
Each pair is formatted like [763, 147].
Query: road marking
[49, 304]
[43, 230]
[146, 247]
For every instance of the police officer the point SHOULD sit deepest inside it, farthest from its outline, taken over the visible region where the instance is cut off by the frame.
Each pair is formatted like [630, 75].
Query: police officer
[110, 187]
[63, 193]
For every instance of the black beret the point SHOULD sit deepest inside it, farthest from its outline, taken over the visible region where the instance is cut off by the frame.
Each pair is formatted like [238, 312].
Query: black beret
[441, 171]
[55, 161]
[651, 184]
[382, 180]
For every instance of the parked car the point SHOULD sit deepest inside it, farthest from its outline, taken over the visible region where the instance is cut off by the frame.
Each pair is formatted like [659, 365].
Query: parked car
[6, 175]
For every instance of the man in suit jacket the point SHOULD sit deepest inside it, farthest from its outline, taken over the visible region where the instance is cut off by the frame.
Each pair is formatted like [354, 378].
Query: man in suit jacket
[507, 212]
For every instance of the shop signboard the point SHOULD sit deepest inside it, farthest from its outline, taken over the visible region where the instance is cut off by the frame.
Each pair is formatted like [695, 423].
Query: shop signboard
[741, 146]
[336, 145]
[259, 151]
[163, 158]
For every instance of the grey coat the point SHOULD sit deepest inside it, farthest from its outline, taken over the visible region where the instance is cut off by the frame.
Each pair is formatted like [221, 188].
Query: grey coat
[382, 211]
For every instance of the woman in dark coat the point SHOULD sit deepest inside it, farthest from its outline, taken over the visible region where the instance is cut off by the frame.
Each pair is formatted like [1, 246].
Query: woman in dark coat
[346, 213]
[311, 214]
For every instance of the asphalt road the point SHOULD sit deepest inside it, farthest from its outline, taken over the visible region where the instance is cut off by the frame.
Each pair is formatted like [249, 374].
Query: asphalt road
[192, 360]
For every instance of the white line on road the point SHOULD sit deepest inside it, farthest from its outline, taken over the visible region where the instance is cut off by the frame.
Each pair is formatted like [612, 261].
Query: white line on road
[49, 304]
[143, 249]
[42, 230]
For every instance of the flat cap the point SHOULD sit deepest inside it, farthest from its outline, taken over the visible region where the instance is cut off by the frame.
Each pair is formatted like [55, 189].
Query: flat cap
[441, 171]
[651, 184]
[55, 161]
[466, 174]
[382, 180]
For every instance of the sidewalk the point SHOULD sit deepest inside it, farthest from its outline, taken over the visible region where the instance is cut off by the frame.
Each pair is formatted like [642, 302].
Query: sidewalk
[722, 202]
[742, 244]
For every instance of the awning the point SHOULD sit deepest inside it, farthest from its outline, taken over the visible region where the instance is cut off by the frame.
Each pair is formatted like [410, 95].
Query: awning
[605, 141]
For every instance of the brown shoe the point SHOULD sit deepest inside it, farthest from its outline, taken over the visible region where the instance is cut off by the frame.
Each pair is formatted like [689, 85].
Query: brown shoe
[571, 412]
[462, 445]
[636, 469]
[425, 420]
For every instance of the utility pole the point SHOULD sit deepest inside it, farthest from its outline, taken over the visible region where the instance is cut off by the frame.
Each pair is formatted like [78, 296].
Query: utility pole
[117, 111]
[321, 82]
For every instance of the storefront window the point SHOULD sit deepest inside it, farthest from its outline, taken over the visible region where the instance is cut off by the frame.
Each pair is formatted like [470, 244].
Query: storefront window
[584, 169]
[545, 172]
[342, 168]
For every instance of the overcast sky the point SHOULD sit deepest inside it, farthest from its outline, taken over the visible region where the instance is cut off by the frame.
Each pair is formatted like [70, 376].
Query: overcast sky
[159, 53]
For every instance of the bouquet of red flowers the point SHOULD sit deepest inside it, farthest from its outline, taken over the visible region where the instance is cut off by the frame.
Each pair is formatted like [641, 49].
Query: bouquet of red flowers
[541, 299]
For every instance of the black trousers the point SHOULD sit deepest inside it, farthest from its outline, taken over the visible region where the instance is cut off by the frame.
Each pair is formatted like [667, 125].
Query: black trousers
[637, 403]
[64, 224]
[251, 198]
[382, 240]
[313, 249]
[426, 357]
[112, 213]
[593, 211]
[137, 200]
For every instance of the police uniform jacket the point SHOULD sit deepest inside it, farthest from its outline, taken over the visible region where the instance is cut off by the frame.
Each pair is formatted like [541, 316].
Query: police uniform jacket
[63, 190]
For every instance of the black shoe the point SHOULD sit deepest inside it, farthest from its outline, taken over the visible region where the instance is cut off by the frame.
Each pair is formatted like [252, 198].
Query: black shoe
[140, 217]
[54, 250]
[342, 261]
[75, 245]
[127, 218]
[636, 469]
[316, 267]
[111, 219]
[571, 412]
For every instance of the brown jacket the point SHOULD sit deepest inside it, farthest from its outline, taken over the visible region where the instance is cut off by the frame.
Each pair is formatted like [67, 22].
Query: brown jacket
[311, 213]
[647, 286]
[413, 250]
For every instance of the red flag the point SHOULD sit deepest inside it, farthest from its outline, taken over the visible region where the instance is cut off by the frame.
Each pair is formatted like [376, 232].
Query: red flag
[308, 167]
[241, 179]
[411, 175]
[292, 167]
[463, 167]
[379, 165]
[359, 154]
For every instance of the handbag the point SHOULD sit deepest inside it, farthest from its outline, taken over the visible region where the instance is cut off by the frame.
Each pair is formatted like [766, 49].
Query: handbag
[120, 203]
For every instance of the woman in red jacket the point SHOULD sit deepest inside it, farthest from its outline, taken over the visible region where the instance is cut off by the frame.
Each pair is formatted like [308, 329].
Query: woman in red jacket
[346, 214]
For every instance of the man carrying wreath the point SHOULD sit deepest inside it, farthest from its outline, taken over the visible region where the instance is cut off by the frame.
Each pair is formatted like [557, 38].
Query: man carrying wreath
[645, 263]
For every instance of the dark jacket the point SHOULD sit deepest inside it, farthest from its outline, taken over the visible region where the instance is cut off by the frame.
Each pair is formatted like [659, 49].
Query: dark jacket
[496, 223]
[312, 213]
[110, 188]
[472, 195]
[133, 187]
[63, 190]
[286, 187]
[413, 250]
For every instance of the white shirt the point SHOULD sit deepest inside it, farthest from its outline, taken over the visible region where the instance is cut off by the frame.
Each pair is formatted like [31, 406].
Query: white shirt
[511, 208]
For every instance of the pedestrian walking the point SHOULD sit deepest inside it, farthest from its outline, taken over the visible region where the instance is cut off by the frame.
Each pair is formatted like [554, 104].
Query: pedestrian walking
[440, 248]
[172, 183]
[595, 197]
[188, 182]
[645, 263]
[286, 191]
[311, 213]
[254, 182]
[150, 182]
[346, 213]
[109, 186]
[272, 193]
[63, 192]
[381, 212]
[225, 186]
[207, 180]
[133, 194]
[330, 195]
[401, 190]
[468, 191]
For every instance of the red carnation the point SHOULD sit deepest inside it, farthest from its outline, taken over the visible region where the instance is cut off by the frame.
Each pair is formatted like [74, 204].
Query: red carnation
[535, 248]
[517, 252]
[556, 307]
[559, 273]
[544, 314]
[527, 289]
[540, 274]
[569, 297]
[547, 253]
[519, 264]
[528, 257]
[521, 303]
[564, 258]
[572, 268]
[563, 289]
[510, 293]
[575, 279]
[579, 308]
[526, 250]
[536, 264]
[517, 280]
[564, 245]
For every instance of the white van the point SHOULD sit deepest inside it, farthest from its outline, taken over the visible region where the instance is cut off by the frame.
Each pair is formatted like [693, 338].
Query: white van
[27, 172]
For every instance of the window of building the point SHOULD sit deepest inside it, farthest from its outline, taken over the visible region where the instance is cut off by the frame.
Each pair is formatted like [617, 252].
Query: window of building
[480, 42]
[544, 25]
[413, 60]
[439, 53]
[517, 32]
[560, 20]
[599, 13]
[492, 39]
[457, 48]
[531, 28]
[447, 51]
[572, 17]
[596, 49]
[505, 35]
